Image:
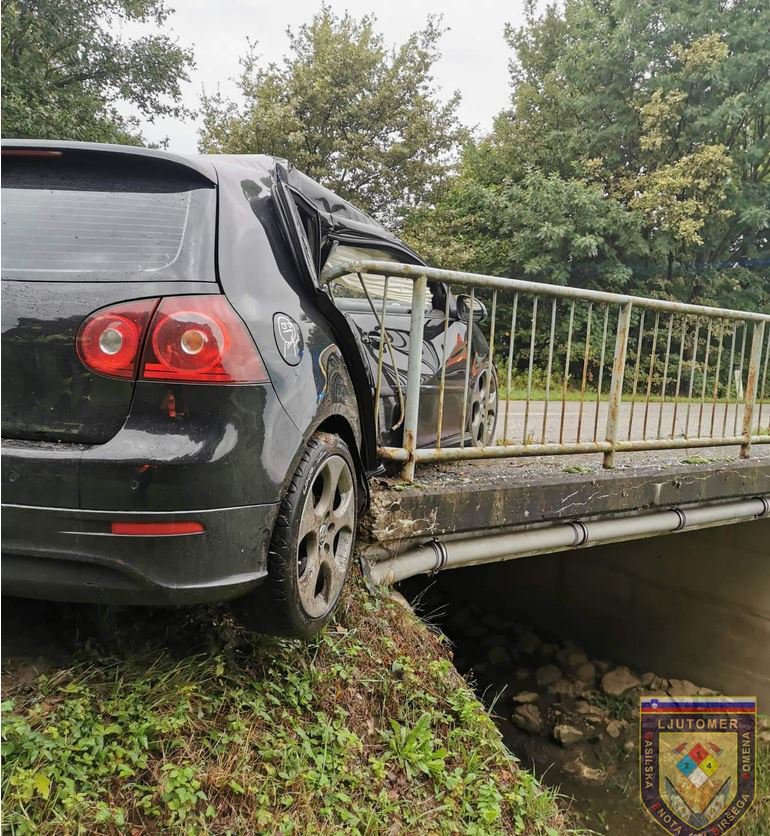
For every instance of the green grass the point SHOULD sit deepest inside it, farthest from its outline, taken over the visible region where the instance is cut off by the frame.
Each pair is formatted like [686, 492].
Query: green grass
[516, 393]
[518, 390]
[178, 725]
[519, 393]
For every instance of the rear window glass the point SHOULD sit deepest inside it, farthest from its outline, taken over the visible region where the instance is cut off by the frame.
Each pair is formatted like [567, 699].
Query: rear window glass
[81, 224]
[105, 231]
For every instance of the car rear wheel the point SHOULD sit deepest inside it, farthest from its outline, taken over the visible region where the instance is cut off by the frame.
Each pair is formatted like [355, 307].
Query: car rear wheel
[482, 416]
[312, 544]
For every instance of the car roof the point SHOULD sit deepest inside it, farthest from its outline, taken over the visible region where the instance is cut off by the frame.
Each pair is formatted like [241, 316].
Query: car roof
[338, 214]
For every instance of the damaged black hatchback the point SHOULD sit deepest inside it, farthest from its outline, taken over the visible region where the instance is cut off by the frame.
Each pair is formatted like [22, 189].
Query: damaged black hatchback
[187, 409]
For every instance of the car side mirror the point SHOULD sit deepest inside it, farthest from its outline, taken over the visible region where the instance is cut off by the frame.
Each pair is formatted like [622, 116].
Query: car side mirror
[464, 308]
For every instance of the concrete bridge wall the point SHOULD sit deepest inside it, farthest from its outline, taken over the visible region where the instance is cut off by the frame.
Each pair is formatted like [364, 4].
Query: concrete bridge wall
[693, 605]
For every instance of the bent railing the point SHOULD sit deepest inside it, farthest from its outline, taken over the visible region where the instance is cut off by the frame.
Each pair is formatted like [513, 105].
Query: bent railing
[583, 371]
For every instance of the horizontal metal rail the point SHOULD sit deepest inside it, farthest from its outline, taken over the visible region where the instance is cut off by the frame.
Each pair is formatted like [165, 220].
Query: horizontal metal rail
[679, 376]
[455, 277]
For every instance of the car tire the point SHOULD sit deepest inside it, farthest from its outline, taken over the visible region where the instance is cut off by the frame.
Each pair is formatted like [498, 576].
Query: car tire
[312, 545]
[482, 413]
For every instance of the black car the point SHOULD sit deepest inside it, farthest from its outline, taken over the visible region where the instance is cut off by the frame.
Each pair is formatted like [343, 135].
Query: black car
[187, 410]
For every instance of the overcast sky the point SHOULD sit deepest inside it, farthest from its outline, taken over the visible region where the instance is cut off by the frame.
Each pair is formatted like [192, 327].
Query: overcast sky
[474, 54]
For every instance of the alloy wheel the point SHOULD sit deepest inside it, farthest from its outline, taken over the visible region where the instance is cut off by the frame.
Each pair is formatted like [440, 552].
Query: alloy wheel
[326, 537]
[483, 417]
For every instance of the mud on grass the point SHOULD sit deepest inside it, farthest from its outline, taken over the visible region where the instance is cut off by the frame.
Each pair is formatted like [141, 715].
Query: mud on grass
[182, 723]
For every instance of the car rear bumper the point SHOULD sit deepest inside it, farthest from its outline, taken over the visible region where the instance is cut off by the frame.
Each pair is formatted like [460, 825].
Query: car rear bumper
[71, 555]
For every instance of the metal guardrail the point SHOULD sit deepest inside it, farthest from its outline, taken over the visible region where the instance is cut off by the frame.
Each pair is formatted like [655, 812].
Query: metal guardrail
[678, 376]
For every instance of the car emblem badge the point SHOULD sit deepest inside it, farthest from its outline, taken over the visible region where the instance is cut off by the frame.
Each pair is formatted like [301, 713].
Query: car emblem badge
[288, 338]
[697, 762]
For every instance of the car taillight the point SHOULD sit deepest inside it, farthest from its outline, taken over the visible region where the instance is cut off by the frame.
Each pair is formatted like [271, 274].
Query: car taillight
[200, 339]
[194, 339]
[109, 340]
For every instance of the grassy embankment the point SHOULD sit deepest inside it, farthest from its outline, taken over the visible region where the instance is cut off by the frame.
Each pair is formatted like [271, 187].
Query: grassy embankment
[186, 725]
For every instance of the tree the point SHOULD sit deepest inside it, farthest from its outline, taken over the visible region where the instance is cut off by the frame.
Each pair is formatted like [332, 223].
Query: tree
[635, 153]
[65, 69]
[359, 116]
[542, 226]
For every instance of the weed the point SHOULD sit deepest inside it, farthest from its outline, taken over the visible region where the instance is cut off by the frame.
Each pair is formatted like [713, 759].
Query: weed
[416, 749]
[619, 707]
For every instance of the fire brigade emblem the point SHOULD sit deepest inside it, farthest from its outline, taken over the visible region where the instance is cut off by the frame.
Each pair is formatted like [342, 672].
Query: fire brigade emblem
[697, 762]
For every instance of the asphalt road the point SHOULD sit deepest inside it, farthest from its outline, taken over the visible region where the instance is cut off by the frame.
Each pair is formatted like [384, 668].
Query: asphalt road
[643, 423]
[643, 420]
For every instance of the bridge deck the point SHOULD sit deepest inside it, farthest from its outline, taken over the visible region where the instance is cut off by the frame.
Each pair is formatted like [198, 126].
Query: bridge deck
[464, 497]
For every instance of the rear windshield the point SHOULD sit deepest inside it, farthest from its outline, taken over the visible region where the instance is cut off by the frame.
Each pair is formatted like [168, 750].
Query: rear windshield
[66, 220]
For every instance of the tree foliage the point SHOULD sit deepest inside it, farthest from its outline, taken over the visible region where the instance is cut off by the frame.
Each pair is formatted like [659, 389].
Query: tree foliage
[66, 68]
[635, 154]
[346, 109]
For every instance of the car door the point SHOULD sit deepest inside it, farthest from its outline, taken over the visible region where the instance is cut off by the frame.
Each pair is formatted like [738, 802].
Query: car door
[362, 300]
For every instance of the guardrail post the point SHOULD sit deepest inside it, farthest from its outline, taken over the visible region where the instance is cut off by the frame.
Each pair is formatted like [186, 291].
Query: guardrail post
[752, 383]
[413, 375]
[616, 383]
